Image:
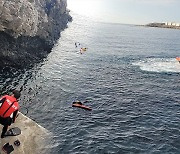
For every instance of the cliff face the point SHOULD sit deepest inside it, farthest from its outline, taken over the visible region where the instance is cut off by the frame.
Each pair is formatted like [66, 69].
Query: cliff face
[29, 29]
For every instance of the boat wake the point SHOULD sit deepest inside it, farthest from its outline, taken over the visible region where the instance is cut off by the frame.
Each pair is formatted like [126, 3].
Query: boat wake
[159, 65]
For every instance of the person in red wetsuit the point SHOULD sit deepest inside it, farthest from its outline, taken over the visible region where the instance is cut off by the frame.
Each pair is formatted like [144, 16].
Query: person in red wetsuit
[9, 107]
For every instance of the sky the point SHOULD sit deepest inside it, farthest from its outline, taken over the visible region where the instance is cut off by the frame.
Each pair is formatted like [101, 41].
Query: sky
[127, 11]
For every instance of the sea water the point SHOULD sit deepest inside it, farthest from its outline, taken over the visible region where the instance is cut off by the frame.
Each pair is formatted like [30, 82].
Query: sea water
[129, 77]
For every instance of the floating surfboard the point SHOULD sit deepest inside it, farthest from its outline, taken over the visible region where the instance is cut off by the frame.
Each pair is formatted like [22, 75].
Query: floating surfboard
[13, 132]
[81, 106]
[7, 148]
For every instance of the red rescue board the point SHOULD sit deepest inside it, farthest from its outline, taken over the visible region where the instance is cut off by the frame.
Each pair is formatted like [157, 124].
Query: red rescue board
[81, 106]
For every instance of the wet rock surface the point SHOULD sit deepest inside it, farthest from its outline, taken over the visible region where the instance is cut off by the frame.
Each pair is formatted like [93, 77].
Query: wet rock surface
[33, 138]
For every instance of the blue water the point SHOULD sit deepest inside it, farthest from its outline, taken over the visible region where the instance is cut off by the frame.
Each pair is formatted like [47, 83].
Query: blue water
[129, 77]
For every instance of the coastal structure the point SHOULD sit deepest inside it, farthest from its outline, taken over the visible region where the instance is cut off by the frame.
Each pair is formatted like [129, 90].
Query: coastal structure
[33, 138]
[172, 25]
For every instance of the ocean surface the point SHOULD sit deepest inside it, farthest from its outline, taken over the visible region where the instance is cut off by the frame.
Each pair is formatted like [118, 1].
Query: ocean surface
[129, 77]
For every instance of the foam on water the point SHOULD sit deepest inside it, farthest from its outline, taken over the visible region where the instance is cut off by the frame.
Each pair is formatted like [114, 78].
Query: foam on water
[159, 65]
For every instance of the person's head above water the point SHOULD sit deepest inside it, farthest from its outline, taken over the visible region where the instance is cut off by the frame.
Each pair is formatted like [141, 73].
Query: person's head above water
[77, 102]
[16, 94]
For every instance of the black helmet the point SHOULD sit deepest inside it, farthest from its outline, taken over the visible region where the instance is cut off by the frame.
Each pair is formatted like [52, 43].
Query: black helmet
[16, 93]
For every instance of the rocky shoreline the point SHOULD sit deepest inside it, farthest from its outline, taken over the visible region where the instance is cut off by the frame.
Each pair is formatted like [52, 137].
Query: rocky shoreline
[29, 29]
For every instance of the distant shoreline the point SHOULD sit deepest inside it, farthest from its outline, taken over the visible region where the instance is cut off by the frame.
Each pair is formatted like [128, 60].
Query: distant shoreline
[161, 25]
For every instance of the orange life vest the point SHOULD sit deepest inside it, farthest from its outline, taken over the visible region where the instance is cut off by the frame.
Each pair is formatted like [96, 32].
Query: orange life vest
[9, 106]
[178, 58]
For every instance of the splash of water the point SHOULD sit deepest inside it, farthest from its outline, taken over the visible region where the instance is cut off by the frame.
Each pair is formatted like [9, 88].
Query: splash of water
[159, 65]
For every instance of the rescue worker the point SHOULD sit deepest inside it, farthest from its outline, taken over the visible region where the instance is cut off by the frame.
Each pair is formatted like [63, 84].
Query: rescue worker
[9, 107]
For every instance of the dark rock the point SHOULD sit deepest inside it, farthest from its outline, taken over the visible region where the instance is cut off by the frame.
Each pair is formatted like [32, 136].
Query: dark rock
[29, 29]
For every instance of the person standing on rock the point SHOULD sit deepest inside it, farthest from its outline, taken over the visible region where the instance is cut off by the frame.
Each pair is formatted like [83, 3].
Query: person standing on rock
[9, 107]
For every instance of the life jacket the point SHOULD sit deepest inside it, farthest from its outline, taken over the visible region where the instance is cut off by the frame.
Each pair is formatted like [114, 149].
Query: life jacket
[8, 106]
[178, 59]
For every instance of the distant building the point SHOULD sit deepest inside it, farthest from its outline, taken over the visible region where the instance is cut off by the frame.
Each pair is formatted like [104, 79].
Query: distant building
[172, 24]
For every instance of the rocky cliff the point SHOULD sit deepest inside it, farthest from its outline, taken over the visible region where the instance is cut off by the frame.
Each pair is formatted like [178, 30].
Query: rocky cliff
[29, 29]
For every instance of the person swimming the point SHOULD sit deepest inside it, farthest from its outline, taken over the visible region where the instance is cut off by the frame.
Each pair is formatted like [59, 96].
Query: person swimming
[77, 102]
[82, 50]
